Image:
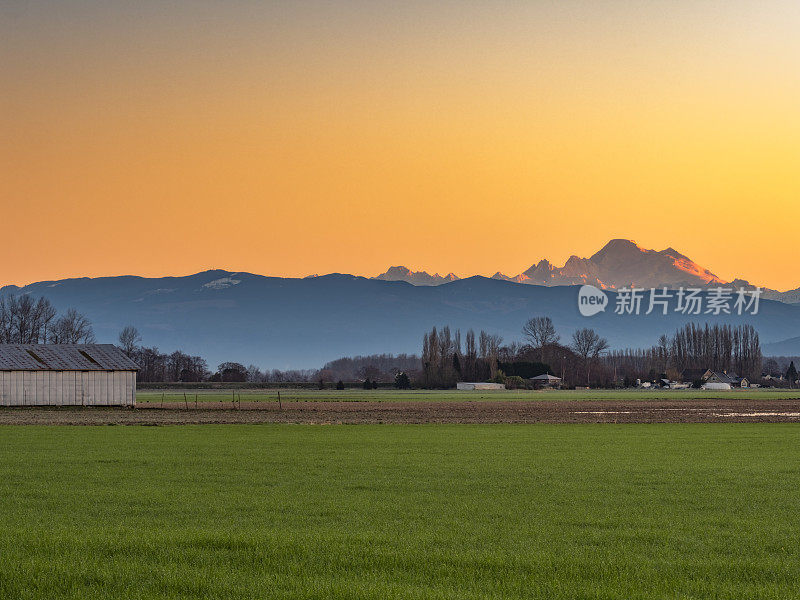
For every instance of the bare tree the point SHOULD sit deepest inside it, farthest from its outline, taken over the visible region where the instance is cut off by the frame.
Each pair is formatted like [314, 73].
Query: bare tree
[470, 356]
[5, 322]
[662, 351]
[45, 317]
[25, 320]
[254, 374]
[493, 343]
[231, 371]
[587, 344]
[72, 328]
[368, 372]
[129, 339]
[540, 331]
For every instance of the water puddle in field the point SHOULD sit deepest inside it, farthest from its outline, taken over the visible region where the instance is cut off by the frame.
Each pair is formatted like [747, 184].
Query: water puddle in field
[602, 412]
[790, 415]
[710, 411]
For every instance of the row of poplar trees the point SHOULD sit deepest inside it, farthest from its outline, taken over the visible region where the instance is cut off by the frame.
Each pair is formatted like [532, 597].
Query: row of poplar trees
[444, 362]
[718, 347]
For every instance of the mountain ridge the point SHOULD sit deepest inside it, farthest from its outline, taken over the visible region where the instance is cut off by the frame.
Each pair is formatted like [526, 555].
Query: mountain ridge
[620, 263]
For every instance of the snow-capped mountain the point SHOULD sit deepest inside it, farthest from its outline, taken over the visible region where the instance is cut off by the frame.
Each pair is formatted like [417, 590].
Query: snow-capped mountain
[620, 263]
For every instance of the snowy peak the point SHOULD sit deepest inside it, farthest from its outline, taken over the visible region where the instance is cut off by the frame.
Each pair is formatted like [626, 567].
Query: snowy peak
[620, 263]
[617, 250]
[623, 263]
[401, 273]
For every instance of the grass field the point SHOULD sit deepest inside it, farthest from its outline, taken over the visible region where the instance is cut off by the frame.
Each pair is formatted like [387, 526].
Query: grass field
[355, 395]
[495, 511]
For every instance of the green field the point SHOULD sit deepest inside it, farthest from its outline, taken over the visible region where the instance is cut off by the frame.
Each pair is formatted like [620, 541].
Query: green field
[291, 511]
[389, 395]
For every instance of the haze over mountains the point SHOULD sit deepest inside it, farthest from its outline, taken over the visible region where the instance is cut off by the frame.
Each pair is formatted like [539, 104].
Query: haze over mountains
[620, 263]
[284, 323]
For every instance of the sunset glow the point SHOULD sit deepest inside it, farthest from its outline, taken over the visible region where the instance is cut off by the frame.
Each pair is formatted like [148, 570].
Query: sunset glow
[312, 137]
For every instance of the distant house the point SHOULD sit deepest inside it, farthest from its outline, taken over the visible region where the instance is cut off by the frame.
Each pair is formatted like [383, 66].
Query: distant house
[731, 379]
[463, 385]
[707, 376]
[742, 382]
[720, 377]
[546, 380]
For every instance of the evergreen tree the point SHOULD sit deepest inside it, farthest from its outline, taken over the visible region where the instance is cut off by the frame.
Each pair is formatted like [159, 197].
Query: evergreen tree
[402, 382]
[791, 374]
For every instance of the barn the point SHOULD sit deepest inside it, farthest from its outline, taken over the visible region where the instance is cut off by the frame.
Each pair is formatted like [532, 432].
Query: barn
[66, 375]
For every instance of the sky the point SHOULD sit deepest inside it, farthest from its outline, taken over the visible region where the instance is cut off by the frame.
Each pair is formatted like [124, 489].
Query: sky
[299, 137]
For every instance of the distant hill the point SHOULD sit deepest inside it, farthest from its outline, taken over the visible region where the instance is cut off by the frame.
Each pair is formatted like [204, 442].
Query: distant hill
[788, 347]
[296, 323]
[620, 263]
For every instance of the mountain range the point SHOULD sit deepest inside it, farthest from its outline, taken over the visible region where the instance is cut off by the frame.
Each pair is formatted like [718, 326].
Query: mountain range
[284, 323]
[620, 263]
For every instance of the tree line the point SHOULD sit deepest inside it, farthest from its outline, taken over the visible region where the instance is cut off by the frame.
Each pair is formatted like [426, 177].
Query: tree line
[444, 362]
[484, 358]
[585, 359]
[375, 367]
[178, 366]
[28, 320]
[722, 348]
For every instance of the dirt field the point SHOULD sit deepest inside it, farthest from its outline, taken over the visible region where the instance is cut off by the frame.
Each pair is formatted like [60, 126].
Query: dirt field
[606, 411]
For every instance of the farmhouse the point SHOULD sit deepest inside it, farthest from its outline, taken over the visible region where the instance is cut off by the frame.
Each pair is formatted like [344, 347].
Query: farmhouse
[68, 374]
[732, 379]
[707, 376]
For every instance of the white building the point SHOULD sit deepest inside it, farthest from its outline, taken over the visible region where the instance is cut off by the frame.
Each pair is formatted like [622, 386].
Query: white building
[463, 385]
[66, 375]
[717, 386]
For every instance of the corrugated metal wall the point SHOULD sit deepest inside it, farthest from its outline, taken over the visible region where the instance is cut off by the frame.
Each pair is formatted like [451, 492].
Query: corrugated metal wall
[67, 388]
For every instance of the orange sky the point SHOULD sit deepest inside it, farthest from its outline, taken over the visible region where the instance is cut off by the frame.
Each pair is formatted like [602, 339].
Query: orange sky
[290, 138]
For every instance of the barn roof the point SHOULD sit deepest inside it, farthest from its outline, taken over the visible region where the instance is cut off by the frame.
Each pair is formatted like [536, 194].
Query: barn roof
[64, 357]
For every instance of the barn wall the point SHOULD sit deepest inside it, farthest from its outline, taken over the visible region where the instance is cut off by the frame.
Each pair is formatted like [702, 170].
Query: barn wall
[67, 388]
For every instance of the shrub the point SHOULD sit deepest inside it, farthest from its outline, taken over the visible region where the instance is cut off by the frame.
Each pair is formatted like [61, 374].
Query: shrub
[499, 378]
[515, 382]
[402, 382]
